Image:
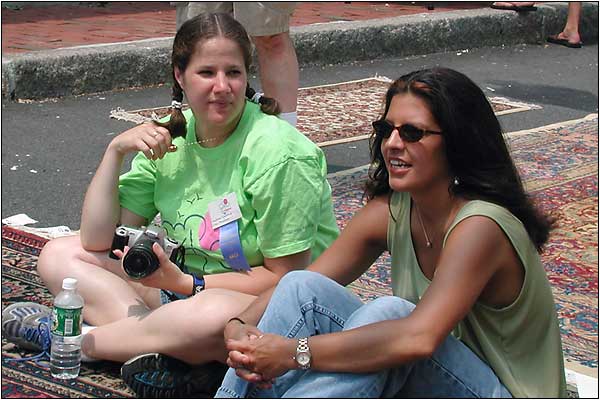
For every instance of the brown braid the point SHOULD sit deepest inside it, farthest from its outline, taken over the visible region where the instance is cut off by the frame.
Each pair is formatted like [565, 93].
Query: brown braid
[268, 105]
[177, 124]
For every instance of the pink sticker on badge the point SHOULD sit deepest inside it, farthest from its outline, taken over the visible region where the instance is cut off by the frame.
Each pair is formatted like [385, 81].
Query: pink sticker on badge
[209, 237]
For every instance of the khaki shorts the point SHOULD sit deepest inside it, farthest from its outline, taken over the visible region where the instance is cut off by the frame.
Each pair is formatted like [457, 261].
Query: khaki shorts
[258, 18]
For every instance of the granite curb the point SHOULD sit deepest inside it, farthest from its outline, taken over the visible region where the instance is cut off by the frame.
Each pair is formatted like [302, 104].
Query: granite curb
[97, 68]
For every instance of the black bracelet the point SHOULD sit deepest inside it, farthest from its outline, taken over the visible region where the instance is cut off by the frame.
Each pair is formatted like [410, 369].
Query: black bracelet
[237, 319]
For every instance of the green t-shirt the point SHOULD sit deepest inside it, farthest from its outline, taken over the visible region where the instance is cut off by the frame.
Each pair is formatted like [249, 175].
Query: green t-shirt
[520, 342]
[276, 173]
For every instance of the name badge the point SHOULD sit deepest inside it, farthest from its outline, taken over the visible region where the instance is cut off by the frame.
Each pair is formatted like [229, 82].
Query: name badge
[224, 210]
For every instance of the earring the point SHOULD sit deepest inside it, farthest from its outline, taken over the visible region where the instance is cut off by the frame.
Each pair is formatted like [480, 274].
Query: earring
[456, 181]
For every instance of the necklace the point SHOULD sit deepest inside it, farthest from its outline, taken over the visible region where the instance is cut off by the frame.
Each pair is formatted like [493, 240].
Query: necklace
[429, 244]
[174, 147]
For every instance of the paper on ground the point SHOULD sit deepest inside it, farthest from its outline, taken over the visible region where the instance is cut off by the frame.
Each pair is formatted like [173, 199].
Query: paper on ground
[19, 219]
[587, 386]
[57, 231]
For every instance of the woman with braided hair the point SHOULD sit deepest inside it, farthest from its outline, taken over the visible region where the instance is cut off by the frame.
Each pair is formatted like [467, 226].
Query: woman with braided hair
[242, 191]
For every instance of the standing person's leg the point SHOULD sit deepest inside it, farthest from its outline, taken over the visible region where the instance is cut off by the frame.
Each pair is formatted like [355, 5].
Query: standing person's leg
[571, 30]
[268, 25]
[570, 34]
[186, 10]
[278, 68]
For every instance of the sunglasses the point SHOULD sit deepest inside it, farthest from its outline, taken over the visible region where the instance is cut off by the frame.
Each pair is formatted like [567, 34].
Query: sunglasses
[408, 133]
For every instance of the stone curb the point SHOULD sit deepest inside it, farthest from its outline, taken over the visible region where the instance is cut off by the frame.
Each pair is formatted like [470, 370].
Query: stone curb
[97, 68]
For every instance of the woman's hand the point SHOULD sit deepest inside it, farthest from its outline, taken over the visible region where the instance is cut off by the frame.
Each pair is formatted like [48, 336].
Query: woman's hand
[236, 331]
[168, 276]
[154, 141]
[261, 359]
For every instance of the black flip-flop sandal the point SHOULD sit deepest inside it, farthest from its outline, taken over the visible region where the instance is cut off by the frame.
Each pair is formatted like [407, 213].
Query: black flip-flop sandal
[563, 42]
[514, 8]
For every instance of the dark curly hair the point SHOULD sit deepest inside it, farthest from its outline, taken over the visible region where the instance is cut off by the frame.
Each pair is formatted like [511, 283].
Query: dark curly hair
[198, 29]
[475, 148]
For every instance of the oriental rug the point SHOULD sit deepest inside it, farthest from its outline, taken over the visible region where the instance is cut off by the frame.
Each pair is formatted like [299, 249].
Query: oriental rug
[354, 104]
[559, 165]
[20, 282]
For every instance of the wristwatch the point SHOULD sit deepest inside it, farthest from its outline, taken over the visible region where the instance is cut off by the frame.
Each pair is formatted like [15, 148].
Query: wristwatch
[199, 284]
[303, 354]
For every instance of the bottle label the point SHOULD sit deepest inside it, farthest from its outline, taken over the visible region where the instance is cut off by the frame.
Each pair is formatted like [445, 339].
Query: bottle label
[66, 321]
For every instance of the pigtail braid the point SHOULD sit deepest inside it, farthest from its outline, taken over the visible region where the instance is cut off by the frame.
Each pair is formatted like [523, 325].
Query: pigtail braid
[177, 124]
[268, 105]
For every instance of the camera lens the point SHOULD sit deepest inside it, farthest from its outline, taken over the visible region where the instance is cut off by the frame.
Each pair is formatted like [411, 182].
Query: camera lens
[140, 261]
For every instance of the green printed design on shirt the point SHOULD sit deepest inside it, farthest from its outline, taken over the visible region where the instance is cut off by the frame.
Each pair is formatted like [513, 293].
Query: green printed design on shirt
[66, 321]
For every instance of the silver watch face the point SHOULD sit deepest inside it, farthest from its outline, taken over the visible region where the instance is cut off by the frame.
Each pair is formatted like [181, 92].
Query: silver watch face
[303, 358]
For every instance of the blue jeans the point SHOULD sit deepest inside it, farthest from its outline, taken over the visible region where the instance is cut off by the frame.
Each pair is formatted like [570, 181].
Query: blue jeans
[307, 303]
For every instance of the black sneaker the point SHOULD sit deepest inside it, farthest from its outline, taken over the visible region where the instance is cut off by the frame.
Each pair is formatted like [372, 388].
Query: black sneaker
[160, 376]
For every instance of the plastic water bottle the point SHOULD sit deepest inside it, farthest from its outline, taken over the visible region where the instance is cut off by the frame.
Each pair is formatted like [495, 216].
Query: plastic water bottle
[65, 351]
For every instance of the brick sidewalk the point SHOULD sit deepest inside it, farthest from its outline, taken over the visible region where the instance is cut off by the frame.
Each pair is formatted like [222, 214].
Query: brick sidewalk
[34, 28]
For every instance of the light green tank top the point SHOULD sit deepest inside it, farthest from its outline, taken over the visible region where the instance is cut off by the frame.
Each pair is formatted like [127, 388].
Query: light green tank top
[520, 342]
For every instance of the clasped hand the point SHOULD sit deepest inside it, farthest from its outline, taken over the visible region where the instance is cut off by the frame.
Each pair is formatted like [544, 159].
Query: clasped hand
[256, 357]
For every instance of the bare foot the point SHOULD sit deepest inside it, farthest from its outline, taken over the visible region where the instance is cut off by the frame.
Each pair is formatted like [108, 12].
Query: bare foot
[571, 37]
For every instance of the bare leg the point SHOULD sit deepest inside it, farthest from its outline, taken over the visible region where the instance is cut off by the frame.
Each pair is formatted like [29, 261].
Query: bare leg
[571, 30]
[278, 68]
[190, 330]
[108, 294]
[130, 317]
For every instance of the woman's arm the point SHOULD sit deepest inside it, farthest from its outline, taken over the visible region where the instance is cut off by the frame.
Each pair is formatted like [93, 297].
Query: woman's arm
[476, 251]
[101, 211]
[363, 240]
[359, 244]
[259, 279]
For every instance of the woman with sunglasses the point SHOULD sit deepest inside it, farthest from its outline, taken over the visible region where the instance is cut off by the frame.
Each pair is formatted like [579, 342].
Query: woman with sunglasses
[472, 313]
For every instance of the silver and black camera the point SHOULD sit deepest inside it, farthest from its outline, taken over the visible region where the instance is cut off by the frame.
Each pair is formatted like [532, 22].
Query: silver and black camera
[140, 261]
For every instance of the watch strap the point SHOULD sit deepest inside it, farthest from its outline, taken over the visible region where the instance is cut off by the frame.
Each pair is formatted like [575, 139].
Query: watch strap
[303, 348]
[199, 284]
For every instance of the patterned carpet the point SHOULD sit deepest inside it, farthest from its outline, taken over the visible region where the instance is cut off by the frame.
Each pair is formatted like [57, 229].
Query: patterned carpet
[20, 282]
[560, 167]
[317, 105]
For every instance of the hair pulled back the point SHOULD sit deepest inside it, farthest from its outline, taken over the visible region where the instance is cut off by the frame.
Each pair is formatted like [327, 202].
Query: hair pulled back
[197, 30]
[474, 146]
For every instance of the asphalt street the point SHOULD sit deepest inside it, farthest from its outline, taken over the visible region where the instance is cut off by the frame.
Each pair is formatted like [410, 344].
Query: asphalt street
[51, 149]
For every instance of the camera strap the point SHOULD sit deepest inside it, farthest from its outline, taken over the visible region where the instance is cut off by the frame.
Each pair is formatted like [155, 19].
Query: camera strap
[179, 258]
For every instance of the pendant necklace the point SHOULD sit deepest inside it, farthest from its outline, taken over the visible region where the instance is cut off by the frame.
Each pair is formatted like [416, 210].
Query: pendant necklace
[429, 244]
